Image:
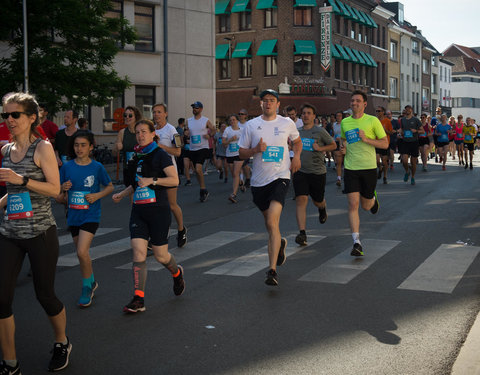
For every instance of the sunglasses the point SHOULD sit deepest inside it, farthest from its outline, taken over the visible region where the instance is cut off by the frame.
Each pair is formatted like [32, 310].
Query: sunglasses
[129, 115]
[242, 114]
[378, 110]
[15, 115]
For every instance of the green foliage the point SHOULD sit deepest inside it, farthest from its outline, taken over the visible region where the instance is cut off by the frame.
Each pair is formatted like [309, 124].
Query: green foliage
[71, 45]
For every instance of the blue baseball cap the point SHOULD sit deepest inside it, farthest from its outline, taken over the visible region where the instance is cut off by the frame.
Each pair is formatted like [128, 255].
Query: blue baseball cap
[268, 92]
[197, 104]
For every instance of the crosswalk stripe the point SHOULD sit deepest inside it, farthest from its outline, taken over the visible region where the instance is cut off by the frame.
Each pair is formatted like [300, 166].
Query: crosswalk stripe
[195, 248]
[443, 270]
[343, 268]
[257, 260]
[67, 238]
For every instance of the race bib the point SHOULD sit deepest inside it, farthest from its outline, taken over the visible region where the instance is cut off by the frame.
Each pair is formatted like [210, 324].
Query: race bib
[196, 139]
[220, 141]
[144, 195]
[77, 201]
[129, 155]
[63, 158]
[308, 143]
[273, 154]
[352, 136]
[233, 147]
[460, 135]
[468, 137]
[19, 206]
[407, 134]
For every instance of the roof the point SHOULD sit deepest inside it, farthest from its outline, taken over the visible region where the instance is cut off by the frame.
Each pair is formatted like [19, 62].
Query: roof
[463, 64]
[458, 50]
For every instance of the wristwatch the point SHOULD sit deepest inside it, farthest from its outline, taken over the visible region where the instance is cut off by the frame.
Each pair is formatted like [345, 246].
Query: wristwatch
[25, 181]
[154, 181]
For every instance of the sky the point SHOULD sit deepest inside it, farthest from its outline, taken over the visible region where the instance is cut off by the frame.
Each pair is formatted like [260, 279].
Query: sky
[445, 22]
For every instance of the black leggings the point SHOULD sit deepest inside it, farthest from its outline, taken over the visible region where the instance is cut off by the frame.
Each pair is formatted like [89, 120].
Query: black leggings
[43, 254]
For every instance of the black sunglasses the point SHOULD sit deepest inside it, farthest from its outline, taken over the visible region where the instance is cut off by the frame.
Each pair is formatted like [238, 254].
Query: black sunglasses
[242, 114]
[15, 115]
[129, 115]
[378, 110]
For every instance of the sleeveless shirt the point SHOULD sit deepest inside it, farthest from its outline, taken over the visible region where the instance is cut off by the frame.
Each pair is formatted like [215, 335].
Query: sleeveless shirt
[198, 128]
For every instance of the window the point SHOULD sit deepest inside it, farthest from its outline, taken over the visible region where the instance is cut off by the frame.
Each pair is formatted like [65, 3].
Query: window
[425, 66]
[384, 78]
[362, 76]
[224, 23]
[246, 20]
[413, 72]
[441, 73]
[418, 73]
[302, 16]
[337, 24]
[393, 87]
[145, 99]
[225, 69]
[415, 48]
[302, 65]
[270, 65]
[393, 50]
[246, 67]
[116, 12]
[360, 33]
[408, 56]
[345, 71]
[144, 26]
[441, 97]
[352, 30]
[337, 68]
[408, 86]
[434, 83]
[384, 38]
[114, 104]
[402, 57]
[402, 87]
[413, 102]
[354, 73]
[271, 17]
[345, 27]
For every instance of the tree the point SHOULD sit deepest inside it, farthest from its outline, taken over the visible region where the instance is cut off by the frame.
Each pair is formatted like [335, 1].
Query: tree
[72, 45]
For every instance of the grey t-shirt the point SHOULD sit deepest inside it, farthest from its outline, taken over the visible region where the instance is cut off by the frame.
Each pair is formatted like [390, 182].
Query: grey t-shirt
[314, 161]
[407, 126]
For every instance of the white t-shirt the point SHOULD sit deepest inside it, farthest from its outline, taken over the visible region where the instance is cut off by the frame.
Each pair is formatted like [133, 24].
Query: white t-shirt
[274, 163]
[232, 147]
[299, 123]
[337, 131]
[166, 135]
[198, 129]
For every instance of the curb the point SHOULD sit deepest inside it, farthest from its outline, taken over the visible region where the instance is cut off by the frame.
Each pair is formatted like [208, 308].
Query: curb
[468, 360]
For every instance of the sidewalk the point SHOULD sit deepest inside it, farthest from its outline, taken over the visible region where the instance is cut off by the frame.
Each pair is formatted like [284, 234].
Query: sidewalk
[468, 360]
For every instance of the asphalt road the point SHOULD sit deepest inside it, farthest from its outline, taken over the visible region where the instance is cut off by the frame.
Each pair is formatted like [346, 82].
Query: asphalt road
[404, 308]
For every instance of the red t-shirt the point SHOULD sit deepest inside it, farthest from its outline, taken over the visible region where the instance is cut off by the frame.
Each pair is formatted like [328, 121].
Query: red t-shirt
[4, 136]
[50, 129]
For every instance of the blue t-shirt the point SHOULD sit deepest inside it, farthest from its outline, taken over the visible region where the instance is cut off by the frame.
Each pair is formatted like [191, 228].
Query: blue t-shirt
[442, 131]
[85, 179]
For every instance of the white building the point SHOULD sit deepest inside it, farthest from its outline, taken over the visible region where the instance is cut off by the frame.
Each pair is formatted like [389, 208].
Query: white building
[445, 84]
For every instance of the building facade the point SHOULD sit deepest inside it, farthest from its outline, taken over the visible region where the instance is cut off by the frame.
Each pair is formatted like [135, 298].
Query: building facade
[445, 84]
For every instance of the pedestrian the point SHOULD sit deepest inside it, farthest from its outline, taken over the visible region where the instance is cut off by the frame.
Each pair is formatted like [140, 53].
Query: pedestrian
[361, 134]
[265, 138]
[150, 218]
[443, 130]
[49, 127]
[424, 141]
[410, 127]
[30, 171]
[63, 136]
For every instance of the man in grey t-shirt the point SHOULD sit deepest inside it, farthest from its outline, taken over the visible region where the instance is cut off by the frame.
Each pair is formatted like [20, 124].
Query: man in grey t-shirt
[311, 178]
[410, 127]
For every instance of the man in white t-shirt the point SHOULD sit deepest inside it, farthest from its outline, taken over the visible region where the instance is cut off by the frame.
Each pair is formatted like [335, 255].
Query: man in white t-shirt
[266, 139]
[166, 134]
[242, 122]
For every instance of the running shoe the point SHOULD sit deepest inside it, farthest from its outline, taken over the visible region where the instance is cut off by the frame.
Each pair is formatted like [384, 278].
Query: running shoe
[436, 159]
[87, 295]
[179, 283]
[357, 250]
[424, 169]
[443, 168]
[301, 239]
[412, 181]
[339, 182]
[136, 304]
[203, 195]
[61, 354]
[385, 180]
[233, 198]
[188, 183]
[272, 278]
[182, 237]
[376, 205]
[242, 187]
[9, 370]
[221, 176]
[405, 177]
[281, 253]
[322, 215]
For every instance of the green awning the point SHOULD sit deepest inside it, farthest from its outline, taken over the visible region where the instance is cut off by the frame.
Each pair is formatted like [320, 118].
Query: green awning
[221, 52]
[352, 55]
[267, 48]
[305, 47]
[371, 20]
[365, 57]
[266, 4]
[365, 17]
[335, 53]
[352, 13]
[360, 16]
[344, 9]
[345, 55]
[242, 50]
[360, 58]
[240, 6]
[221, 6]
[369, 59]
[335, 7]
[305, 3]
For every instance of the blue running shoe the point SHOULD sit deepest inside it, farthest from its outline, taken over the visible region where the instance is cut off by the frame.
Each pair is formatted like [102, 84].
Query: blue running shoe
[87, 295]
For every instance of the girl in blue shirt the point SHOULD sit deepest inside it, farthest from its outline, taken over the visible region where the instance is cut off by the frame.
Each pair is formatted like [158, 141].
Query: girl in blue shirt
[81, 179]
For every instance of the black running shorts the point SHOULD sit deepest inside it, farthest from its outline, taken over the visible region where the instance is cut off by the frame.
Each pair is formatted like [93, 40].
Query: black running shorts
[363, 181]
[310, 184]
[274, 191]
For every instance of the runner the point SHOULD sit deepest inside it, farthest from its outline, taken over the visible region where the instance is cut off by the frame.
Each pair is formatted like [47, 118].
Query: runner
[221, 155]
[442, 130]
[266, 139]
[310, 179]
[169, 140]
[230, 142]
[423, 140]
[62, 137]
[81, 179]
[469, 132]
[199, 127]
[31, 173]
[459, 139]
[410, 126]
[338, 155]
[361, 134]
[382, 154]
[187, 163]
[451, 135]
[246, 170]
[153, 172]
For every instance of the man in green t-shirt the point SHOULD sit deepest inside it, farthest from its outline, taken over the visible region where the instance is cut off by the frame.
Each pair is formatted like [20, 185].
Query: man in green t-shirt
[361, 134]
[310, 179]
